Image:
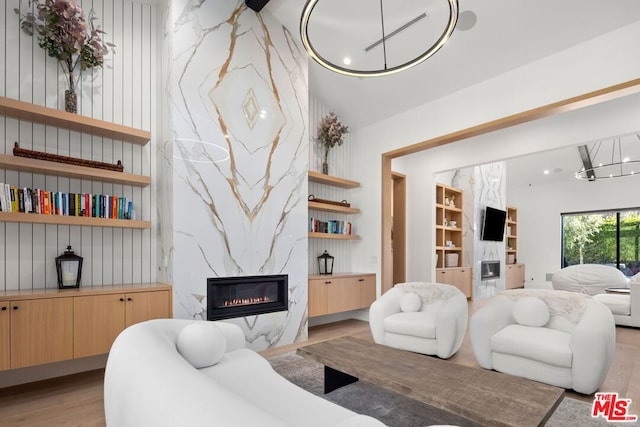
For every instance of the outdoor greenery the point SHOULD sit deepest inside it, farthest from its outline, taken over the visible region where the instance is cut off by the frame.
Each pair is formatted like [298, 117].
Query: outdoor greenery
[592, 239]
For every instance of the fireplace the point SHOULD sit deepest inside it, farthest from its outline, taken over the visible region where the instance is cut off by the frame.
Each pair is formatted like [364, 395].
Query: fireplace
[246, 296]
[489, 270]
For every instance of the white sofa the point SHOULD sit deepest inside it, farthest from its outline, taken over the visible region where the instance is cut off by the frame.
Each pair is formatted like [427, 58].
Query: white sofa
[591, 279]
[565, 339]
[148, 382]
[624, 307]
[427, 318]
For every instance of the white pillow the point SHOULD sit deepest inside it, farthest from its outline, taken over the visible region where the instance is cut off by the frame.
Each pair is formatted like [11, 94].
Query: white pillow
[202, 344]
[531, 311]
[410, 302]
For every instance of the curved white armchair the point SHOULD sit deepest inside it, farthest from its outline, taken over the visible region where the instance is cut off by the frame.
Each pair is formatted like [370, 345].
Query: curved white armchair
[427, 318]
[572, 346]
[624, 307]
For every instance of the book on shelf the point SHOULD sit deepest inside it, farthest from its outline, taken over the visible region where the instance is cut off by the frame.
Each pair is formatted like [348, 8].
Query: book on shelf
[329, 227]
[42, 202]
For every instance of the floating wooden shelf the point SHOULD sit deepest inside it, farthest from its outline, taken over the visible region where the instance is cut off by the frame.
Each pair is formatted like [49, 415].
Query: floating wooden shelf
[332, 180]
[49, 116]
[72, 220]
[333, 236]
[449, 248]
[332, 208]
[71, 171]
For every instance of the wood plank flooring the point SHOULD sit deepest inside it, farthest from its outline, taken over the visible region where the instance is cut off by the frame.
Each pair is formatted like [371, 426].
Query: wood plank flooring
[77, 400]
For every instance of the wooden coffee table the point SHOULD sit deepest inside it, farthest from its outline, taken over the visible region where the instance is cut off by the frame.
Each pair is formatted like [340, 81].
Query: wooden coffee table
[479, 395]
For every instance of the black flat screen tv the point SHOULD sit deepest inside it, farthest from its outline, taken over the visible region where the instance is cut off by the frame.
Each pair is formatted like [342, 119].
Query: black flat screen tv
[493, 224]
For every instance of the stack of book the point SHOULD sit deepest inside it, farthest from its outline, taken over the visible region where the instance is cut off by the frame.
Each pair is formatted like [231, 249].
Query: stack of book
[27, 200]
[330, 227]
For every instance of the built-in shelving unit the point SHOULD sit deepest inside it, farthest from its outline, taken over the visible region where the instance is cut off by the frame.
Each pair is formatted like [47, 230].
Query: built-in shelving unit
[62, 119]
[511, 235]
[328, 207]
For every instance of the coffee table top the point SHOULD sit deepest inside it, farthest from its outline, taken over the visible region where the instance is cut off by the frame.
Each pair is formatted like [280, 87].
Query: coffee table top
[618, 290]
[482, 396]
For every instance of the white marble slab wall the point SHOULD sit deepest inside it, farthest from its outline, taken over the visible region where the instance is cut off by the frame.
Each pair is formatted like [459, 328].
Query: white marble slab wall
[489, 189]
[240, 141]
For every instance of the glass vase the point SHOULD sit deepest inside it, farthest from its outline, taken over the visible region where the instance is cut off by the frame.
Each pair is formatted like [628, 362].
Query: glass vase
[325, 168]
[70, 101]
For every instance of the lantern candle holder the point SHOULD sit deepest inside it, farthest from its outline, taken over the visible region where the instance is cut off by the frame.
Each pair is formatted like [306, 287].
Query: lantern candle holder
[325, 263]
[69, 268]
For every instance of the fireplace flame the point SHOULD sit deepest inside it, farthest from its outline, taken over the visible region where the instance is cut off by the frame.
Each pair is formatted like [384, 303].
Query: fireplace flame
[246, 301]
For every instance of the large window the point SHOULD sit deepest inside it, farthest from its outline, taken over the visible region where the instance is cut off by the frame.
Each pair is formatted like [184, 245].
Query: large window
[603, 237]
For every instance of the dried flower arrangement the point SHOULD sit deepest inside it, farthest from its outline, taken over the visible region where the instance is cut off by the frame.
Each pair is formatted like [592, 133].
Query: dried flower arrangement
[65, 34]
[330, 133]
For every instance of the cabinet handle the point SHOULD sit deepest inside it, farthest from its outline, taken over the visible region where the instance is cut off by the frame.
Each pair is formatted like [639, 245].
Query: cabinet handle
[360, 280]
[15, 307]
[122, 299]
[327, 282]
[4, 308]
[129, 299]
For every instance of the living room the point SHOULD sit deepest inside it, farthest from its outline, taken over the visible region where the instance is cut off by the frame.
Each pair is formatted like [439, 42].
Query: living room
[249, 216]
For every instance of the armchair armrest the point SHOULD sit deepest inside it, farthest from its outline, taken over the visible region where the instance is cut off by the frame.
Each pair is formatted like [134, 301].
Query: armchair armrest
[451, 325]
[492, 317]
[386, 305]
[592, 344]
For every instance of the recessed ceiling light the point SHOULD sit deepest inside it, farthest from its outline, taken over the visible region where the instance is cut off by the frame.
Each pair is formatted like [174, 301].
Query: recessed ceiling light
[625, 160]
[546, 171]
[346, 60]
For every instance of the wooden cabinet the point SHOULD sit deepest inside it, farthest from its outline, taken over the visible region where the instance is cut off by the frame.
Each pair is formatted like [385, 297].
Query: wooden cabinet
[44, 326]
[449, 226]
[52, 117]
[340, 293]
[329, 207]
[41, 331]
[511, 236]
[514, 276]
[460, 277]
[5, 336]
[100, 318]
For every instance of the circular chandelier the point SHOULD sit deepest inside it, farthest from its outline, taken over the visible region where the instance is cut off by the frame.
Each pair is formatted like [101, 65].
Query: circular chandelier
[610, 159]
[384, 70]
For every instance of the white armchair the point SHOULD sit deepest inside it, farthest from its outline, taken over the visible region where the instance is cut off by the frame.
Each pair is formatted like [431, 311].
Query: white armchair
[590, 279]
[624, 307]
[559, 338]
[427, 318]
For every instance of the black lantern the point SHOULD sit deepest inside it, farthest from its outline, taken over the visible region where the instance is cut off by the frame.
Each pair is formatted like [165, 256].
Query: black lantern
[325, 263]
[69, 267]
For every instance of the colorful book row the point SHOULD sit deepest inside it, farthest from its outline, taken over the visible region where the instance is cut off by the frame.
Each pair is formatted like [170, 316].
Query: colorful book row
[330, 227]
[43, 202]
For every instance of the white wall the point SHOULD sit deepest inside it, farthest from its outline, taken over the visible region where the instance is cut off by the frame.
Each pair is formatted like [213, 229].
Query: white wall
[539, 222]
[577, 70]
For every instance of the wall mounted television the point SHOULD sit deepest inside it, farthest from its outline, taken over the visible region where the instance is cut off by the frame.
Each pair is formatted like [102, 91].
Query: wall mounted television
[493, 224]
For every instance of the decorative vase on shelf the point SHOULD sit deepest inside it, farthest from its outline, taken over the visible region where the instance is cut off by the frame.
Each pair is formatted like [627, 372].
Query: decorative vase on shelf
[70, 101]
[325, 168]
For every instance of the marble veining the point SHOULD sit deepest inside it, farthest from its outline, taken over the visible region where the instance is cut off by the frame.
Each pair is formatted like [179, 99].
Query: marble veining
[239, 82]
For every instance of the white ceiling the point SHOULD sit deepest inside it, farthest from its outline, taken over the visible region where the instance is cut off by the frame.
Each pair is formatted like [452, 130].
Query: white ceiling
[508, 34]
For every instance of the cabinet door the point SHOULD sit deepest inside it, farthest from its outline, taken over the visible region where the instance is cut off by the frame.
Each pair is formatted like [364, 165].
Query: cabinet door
[338, 295]
[367, 291]
[98, 320]
[5, 325]
[352, 289]
[141, 306]
[41, 331]
[520, 275]
[318, 297]
[444, 276]
[463, 280]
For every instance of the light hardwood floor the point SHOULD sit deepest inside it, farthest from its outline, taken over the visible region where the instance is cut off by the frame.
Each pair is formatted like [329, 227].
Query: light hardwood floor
[77, 400]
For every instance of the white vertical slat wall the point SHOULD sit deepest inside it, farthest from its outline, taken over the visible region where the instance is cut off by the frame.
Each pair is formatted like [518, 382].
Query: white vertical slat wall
[125, 92]
[339, 160]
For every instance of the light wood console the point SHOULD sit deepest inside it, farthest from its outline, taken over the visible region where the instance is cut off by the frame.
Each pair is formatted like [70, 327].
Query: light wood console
[51, 325]
[460, 277]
